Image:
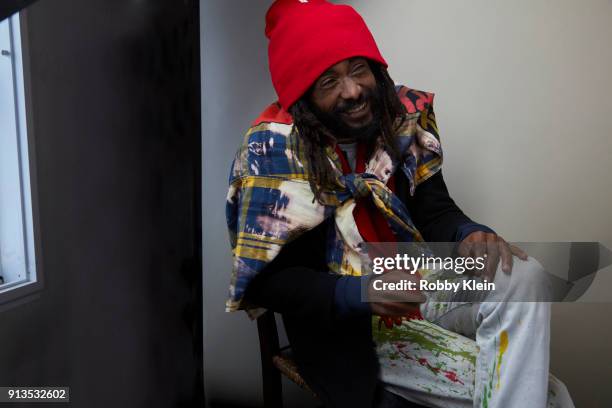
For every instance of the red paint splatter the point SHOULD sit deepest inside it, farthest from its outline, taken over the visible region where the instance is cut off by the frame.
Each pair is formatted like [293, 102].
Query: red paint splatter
[452, 376]
[388, 321]
[414, 315]
[423, 361]
[403, 353]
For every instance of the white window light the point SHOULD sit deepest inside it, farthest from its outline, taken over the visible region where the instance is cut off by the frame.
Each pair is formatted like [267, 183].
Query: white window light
[18, 270]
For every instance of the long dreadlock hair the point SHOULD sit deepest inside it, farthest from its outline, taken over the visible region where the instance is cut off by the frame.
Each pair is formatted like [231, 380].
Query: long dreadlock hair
[316, 137]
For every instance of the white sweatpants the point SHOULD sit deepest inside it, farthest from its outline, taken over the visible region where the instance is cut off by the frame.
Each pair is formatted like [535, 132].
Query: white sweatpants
[489, 353]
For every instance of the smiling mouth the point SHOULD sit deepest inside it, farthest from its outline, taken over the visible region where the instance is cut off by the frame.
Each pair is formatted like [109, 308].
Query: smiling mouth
[357, 110]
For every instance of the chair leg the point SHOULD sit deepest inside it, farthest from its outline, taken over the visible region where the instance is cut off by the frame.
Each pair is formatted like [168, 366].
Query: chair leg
[272, 387]
[269, 346]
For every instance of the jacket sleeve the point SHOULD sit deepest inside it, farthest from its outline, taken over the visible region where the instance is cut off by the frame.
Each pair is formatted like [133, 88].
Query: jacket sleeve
[434, 212]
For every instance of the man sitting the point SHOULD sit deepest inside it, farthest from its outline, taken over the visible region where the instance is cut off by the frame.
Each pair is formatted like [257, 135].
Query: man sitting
[346, 157]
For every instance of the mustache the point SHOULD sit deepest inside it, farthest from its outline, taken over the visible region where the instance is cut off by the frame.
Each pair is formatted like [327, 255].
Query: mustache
[347, 105]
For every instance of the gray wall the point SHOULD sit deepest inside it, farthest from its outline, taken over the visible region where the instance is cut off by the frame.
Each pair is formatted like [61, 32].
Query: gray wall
[523, 105]
[235, 89]
[523, 108]
[115, 92]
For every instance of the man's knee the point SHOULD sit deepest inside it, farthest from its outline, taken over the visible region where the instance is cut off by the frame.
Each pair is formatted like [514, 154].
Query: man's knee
[528, 281]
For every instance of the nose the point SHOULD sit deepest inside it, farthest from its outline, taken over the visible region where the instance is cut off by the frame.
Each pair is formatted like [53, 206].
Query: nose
[350, 89]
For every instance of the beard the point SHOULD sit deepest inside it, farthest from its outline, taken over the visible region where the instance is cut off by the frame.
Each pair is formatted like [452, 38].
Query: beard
[334, 122]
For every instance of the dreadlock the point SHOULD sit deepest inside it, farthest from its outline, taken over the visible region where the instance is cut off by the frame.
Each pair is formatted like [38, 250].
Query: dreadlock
[316, 137]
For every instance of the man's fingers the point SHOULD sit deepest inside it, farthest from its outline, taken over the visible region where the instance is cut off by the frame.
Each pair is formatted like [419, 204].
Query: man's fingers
[492, 256]
[506, 256]
[522, 255]
[478, 250]
[464, 248]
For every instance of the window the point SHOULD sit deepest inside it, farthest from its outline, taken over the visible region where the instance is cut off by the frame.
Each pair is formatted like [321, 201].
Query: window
[18, 275]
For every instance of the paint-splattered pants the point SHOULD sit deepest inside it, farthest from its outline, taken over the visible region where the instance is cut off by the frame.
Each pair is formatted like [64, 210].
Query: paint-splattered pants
[487, 353]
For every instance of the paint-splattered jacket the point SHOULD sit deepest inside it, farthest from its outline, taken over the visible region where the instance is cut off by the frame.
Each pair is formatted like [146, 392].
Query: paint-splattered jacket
[270, 202]
[335, 356]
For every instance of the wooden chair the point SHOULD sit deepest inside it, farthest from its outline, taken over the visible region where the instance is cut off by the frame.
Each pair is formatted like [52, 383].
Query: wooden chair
[275, 361]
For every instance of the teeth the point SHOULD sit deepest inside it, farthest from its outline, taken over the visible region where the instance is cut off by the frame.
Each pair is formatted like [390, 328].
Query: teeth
[358, 108]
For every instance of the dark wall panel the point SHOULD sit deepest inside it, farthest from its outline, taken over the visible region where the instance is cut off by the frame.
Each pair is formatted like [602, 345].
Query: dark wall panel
[115, 97]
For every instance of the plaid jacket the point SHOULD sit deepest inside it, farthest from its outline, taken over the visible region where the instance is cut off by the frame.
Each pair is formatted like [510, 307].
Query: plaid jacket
[270, 202]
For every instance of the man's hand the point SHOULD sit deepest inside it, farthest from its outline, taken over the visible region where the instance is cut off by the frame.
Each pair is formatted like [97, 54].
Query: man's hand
[394, 303]
[494, 247]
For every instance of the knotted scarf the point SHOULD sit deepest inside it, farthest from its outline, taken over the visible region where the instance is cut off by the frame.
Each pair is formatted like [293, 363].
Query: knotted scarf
[270, 202]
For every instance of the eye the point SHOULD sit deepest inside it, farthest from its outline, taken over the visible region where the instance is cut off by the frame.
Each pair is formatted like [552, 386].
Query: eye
[327, 83]
[358, 68]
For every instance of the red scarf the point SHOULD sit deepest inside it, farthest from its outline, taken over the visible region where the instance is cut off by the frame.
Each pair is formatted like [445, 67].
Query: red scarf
[371, 223]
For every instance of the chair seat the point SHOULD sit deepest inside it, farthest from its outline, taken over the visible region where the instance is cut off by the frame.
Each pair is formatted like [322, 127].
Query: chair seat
[285, 364]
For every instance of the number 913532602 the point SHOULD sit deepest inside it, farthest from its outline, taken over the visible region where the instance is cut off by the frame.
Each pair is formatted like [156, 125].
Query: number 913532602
[34, 394]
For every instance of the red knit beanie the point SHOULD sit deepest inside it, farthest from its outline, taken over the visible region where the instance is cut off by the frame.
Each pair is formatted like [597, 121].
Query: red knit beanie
[309, 36]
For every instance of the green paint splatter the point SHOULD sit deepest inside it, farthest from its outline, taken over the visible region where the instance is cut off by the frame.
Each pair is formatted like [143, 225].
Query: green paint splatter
[487, 392]
[434, 339]
[393, 356]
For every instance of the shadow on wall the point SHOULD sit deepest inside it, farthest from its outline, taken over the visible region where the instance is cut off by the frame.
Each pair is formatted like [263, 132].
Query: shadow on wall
[235, 89]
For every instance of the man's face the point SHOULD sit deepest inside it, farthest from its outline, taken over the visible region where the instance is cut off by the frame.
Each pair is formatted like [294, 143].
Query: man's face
[345, 99]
